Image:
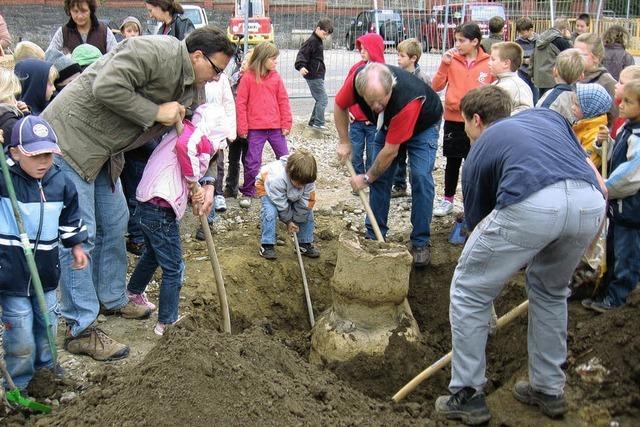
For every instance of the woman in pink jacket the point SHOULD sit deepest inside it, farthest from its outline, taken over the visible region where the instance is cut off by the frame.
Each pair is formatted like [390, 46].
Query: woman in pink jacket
[263, 113]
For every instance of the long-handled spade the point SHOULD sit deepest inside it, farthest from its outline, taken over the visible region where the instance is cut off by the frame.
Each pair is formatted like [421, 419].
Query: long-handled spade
[14, 394]
[304, 281]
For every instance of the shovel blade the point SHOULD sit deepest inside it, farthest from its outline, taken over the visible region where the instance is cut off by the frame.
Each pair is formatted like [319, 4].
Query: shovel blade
[457, 236]
[14, 396]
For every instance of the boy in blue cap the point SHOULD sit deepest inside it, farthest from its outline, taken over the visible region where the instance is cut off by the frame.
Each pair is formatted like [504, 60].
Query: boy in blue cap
[49, 206]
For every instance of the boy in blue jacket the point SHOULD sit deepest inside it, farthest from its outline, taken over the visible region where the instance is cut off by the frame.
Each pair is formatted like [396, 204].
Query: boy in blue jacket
[49, 205]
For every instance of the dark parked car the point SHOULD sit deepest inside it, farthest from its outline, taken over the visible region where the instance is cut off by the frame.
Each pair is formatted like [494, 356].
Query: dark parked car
[390, 27]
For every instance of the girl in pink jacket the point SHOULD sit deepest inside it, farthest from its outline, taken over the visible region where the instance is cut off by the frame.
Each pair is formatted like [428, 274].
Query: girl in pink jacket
[263, 113]
[172, 171]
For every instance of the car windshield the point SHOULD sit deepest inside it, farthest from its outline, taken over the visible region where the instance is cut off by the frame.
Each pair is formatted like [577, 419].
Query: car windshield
[486, 12]
[193, 15]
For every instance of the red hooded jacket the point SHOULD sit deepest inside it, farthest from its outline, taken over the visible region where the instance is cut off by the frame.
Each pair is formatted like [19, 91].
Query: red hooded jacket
[374, 44]
[262, 105]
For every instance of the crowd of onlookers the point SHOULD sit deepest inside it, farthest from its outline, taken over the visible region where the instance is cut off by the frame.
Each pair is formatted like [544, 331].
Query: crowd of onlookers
[108, 139]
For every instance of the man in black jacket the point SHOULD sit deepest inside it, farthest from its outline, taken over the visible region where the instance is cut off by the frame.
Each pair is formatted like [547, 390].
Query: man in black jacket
[310, 64]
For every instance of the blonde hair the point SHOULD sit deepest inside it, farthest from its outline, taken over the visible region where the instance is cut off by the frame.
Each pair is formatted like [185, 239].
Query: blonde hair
[633, 88]
[411, 47]
[246, 59]
[569, 65]
[53, 74]
[595, 44]
[258, 61]
[10, 86]
[26, 50]
[301, 167]
[511, 51]
[633, 71]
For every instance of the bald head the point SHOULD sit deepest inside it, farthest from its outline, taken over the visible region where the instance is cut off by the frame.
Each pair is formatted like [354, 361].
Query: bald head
[375, 83]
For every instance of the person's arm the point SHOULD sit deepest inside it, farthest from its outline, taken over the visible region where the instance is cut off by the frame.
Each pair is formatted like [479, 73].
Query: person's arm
[71, 228]
[117, 83]
[302, 58]
[344, 99]
[302, 206]
[111, 40]
[441, 77]
[624, 181]
[56, 41]
[5, 35]
[242, 99]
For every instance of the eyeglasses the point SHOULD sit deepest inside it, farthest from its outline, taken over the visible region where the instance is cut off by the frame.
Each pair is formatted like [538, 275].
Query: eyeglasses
[214, 66]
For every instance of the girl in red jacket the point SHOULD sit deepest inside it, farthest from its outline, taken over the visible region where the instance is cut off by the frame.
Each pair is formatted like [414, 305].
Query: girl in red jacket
[263, 112]
[463, 68]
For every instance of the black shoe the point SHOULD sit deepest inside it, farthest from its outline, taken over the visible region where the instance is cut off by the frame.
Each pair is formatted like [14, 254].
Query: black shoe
[308, 250]
[421, 256]
[467, 405]
[200, 233]
[398, 191]
[268, 252]
[135, 248]
[551, 406]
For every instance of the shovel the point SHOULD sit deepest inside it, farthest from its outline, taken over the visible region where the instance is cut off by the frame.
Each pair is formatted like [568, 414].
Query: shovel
[304, 281]
[14, 396]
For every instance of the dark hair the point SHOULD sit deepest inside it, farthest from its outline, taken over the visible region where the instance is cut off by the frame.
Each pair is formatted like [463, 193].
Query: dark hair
[470, 30]
[326, 24]
[489, 102]
[496, 24]
[209, 40]
[584, 17]
[68, 4]
[302, 167]
[170, 6]
[524, 24]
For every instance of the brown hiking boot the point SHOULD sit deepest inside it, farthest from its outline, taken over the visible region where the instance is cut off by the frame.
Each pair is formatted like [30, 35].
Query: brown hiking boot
[95, 343]
[131, 311]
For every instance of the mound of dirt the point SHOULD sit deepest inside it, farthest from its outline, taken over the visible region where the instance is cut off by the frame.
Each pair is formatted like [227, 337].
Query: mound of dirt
[203, 377]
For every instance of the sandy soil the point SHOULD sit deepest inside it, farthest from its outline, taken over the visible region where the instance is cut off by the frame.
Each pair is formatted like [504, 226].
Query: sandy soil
[259, 375]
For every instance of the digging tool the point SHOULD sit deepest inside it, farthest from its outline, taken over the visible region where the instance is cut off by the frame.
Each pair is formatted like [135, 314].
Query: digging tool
[217, 271]
[28, 253]
[304, 281]
[14, 396]
[213, 256]
[603, 262]
[446, 359]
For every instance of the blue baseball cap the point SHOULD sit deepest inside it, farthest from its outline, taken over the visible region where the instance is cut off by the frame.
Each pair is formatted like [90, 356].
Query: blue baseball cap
[34, 136]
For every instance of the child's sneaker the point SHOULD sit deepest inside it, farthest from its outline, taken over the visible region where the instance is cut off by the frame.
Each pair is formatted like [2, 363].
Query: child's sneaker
[219, 203]
[308, 250]
[141, 299]
[268, 252]
[443, 208]
[161, 327]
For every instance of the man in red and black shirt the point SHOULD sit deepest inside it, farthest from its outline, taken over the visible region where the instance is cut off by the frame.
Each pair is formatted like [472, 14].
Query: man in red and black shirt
[410, 113]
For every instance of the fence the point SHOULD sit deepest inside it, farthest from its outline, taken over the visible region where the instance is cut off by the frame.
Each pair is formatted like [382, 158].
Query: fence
[430, 21]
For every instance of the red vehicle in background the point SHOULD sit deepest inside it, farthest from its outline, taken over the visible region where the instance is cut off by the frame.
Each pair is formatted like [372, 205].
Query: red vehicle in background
[260, 26]
[479, 12]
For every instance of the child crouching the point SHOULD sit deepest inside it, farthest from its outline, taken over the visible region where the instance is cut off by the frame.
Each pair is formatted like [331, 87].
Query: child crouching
[49, 206]
[172, 171]
[287, 190]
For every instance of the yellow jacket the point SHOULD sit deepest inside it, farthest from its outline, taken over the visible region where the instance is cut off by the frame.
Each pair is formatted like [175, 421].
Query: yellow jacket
[587, 132]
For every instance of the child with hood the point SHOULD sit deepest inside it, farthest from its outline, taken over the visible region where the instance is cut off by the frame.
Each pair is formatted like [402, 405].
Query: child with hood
[590, 109]
[361, 131]
[37, 79]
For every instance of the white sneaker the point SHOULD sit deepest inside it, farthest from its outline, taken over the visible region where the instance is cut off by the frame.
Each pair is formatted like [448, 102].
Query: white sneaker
[219, 203]
[245, 202]
[443, 208]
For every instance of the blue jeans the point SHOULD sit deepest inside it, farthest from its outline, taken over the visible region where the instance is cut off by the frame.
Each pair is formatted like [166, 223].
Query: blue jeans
[548, 232]
[422, 156]
[269, 221]
[162, 248]
[104, 211]
[623, 259]
[318, 92]
[400, 177]
[130, 177]
[25, 343]
[361, 136]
